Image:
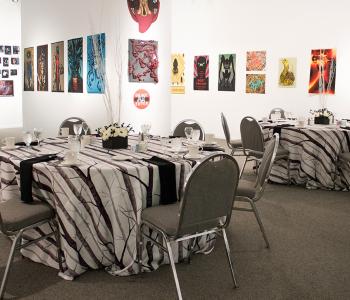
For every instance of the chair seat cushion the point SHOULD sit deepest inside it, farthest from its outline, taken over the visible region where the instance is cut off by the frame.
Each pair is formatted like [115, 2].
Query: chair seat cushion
[345, 156]
[281, 153]
[246, 189]
[236, 143]
[164, 217]
[16, 214]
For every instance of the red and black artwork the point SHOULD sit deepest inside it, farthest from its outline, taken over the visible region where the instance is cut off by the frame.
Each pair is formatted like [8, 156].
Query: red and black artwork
[143, 61]
[201, 73]
[144, 12]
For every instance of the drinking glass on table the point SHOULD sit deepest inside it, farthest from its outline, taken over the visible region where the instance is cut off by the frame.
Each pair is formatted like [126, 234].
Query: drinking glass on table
[196, 135]
[37, 132]
[74, 144]
[85, 127]
[145, 128]
[27, 138]
[77, 129]
[188, 132]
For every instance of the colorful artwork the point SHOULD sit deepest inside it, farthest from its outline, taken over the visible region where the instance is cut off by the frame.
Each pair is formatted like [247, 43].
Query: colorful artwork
[227, 72]
[42, 68]
[6, 88]
[323, 71]
[143, 61]
[255, 83]
[75, 65]
[201, 73]
[57, 67]
[141, 99]
[178, 73]
[96, 63]
[28, 69]
[287, 72]
[144, 12]
[256, 61]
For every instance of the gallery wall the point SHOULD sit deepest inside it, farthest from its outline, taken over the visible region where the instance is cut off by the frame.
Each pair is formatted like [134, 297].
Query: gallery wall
[62, 20]
[10, 34]
[283, 29]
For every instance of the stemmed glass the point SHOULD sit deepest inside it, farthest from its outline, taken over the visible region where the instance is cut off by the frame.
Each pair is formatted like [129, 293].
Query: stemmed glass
[27, 138]
[37, 132]
[85, 127]
[77, 129]
[188, 132]
[196, 135]
[145, 128]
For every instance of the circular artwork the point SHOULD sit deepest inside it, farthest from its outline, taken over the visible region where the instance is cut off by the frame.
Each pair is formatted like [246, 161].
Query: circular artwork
[141, 99]
[144, 12]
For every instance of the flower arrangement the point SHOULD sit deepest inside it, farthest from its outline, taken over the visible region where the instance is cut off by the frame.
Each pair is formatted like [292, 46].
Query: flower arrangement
[114, 130]
[322, 115]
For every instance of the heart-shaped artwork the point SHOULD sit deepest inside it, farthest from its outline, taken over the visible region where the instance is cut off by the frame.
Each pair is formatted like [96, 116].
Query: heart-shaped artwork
[144, 12]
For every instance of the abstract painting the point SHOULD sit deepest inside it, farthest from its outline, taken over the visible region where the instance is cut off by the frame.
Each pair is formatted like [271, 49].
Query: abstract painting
[255, 83]
[28, 69]
[141, 99]
[96, 63]
[287, 72]
[75, 65]
[144, 12]
[6, 88]
[201, 73]
[256, 61]
[227, 72]
[143, 61]
[323, 71]
[177, 73]
[42, 68]
[57, 67]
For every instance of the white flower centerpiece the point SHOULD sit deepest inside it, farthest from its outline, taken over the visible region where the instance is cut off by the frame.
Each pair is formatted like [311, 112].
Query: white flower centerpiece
[115, 136]
[322, 116]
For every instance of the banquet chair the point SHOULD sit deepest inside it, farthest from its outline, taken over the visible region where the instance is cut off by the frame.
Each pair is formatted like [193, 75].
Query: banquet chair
[69, 123]
[253, 144]
[179, 130]
[205, 208]
[233, 145]
[278, 111]
[252, 191]
[15, 218]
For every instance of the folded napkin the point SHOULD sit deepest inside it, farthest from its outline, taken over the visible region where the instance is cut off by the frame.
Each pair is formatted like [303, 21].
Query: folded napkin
[26, 175]
[209, 147]
[278, 128]
[167, 177]
[24, 144]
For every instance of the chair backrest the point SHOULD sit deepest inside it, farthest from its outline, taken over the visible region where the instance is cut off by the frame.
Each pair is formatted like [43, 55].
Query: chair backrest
[251, 135]
[266, 164]
[69, 124]
[226, 130]
[180, 128]
[208, 195]
[276, 111]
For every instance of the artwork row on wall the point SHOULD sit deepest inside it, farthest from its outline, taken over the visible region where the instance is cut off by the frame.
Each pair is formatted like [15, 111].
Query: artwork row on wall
[322, 72]
[96, 57]
[9, 63]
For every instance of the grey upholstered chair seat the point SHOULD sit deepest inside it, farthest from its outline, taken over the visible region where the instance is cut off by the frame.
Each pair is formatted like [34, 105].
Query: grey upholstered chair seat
[345, 156]
[236, 143]
[17, 215]
[281, 153]
[165, 217]
[246, 189]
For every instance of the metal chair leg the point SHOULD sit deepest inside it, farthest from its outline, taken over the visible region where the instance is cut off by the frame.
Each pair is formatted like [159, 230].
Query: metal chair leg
[245, 161]
[190, 253]
[255, 210]
[172, 263]
[9, 262]
[228, 253]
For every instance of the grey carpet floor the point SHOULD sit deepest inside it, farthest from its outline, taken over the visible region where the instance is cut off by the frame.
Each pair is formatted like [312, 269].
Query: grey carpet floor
[309, 233]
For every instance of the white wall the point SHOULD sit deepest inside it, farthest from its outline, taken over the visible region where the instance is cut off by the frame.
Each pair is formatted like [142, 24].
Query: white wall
[10, 34]
[283, 29]
[44, 22]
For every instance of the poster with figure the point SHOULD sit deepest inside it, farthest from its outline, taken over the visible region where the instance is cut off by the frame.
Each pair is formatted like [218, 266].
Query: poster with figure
[178, 73]
[287, 72]
[42, 68]
[323, 71]
[227, 72]
[75, 65]
[6, 88]
[28, 68]
[96, 63]
[255, 83]
[256, 61]
[201, 73]
[57, 67]
[143, 61]
[144, 12]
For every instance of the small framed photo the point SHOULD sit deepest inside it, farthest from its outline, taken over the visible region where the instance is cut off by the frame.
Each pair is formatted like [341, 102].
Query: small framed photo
[13, 72]
[1, 49]
[0, 60]
[8, 50]
[5, 61]
[5, 73]
[15, 49]
[14, 60]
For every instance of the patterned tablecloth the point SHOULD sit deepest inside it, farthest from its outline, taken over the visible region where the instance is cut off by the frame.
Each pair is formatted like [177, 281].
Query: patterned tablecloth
[98, 203]
[313, 156]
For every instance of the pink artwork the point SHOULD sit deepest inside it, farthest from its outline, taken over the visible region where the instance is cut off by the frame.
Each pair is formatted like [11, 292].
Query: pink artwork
[144, 12]
[6, 88]
[143, 61]
[256, 61]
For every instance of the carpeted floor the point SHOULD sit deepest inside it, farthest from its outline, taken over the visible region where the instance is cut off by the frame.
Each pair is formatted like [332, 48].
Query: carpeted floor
[309, 233]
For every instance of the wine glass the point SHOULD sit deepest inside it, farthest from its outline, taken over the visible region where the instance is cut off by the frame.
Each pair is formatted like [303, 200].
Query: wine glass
[188, 132]
[37, 132]
[196, 135]
[85, 127]
[77, 129]
[145, 128]
[27, 138]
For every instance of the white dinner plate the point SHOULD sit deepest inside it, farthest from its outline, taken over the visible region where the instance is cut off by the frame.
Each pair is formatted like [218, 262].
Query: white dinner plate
[121, 157]
[9, 147]
[196, 156]
[181, 150]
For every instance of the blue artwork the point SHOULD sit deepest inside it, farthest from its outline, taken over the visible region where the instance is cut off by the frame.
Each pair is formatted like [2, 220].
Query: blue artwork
[96, 63]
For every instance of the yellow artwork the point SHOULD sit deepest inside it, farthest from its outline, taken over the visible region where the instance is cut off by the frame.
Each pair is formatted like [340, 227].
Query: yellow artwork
[178, 73]
[287, 72]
